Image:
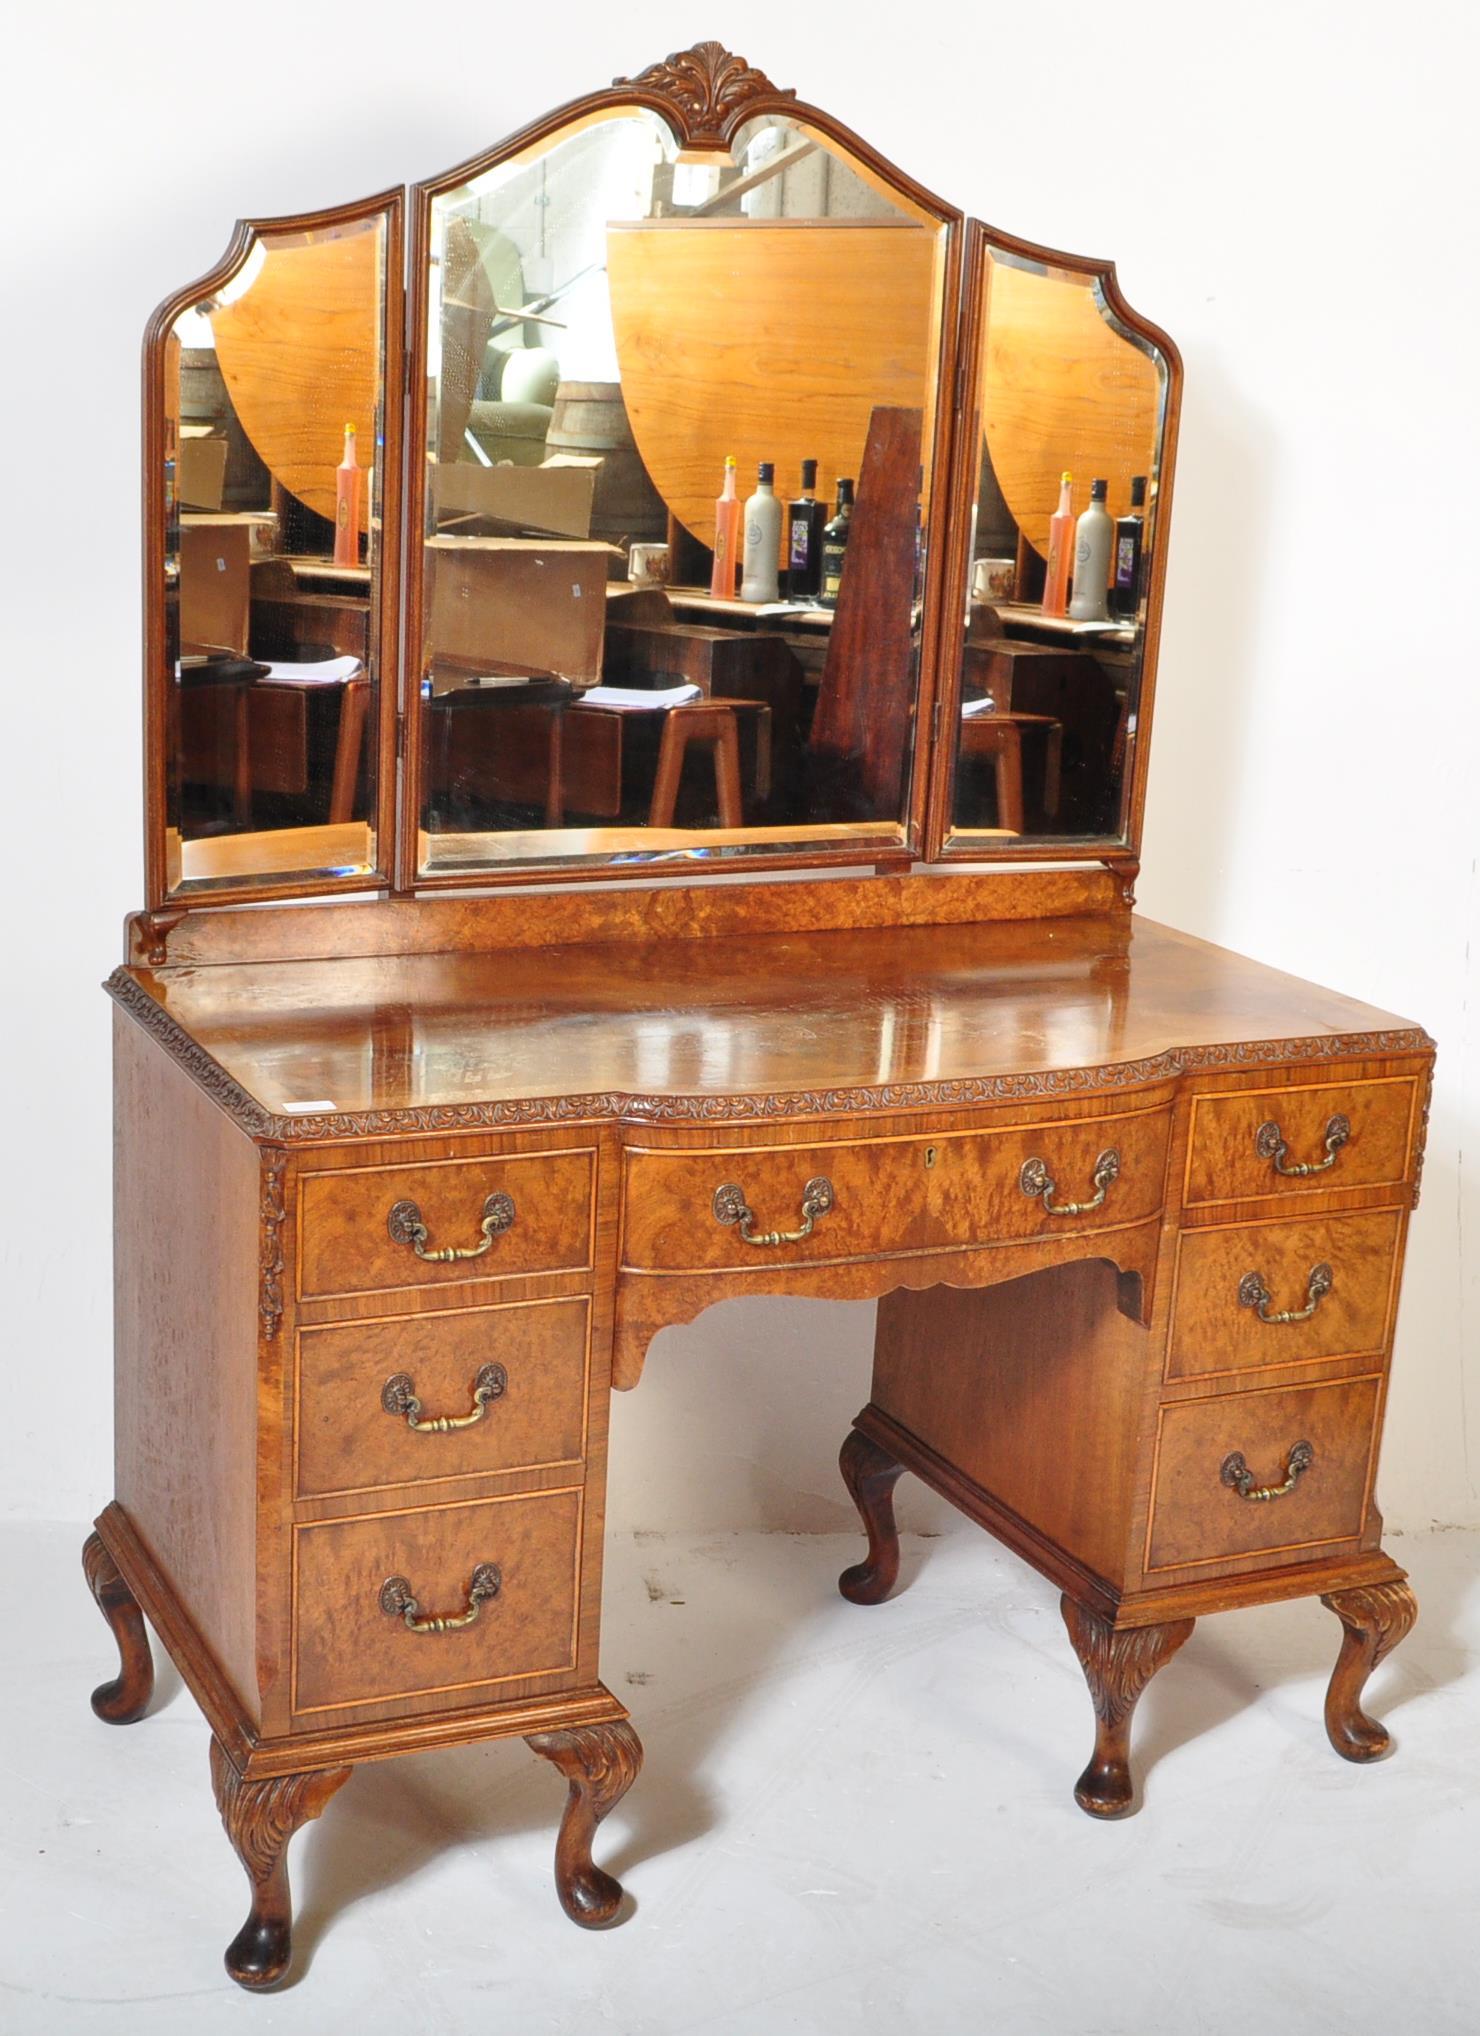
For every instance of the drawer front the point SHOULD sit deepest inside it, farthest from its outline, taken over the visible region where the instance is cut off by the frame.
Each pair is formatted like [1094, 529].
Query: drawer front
[1198, 1514]
[513, 1380]
[888, 1195]
[350, 1649]
[357, 1226]
[1246, 1143]
[1336, 1271]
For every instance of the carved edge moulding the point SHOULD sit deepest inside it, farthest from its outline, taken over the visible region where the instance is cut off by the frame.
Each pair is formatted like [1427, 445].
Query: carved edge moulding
[612, 1105]
[705, 95]
[388, 206]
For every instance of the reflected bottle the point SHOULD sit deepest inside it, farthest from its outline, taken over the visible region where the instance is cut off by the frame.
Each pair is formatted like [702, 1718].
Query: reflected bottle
[1125, 588]
[835, 545]
[349, 482]
[1060, 550]
[760, 580]
[1093, 534]
[726, 538]
[805, 519]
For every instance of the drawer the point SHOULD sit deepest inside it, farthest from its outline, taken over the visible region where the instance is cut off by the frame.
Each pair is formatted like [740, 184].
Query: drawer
[351, 1644]
[885, 1195]
[515, 1377]
[1240, 1142]
[357, 1226]
[1229, 1280]
[1197, 1512]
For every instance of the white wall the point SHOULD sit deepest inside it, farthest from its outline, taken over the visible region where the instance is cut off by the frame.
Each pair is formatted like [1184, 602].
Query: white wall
[1288, 188]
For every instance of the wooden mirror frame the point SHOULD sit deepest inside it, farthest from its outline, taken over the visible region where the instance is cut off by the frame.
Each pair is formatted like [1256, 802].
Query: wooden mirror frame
[705, 96]
[387, 206]
[1120, 852]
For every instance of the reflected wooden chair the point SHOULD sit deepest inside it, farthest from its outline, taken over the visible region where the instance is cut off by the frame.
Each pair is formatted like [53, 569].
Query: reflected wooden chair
[709, 724]
[998, 739]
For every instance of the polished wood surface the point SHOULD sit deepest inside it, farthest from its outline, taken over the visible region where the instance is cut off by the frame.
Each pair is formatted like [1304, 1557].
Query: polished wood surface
[348, 1440]
[769, 339]
[1215, 1330]
[811, 1017]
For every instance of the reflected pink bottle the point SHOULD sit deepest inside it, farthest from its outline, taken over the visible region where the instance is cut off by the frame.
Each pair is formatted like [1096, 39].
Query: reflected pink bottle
[349, 482]
[726, 539]
[1060, 550]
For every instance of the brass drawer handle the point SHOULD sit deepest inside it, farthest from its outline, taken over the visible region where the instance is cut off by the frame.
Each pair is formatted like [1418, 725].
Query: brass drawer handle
[406, 1227]
[1035, 1179]
[397, 1602]
[1237, 1475]
[730, 1206]
[1252, 1293]
[1269, 1145]
[398, 1396]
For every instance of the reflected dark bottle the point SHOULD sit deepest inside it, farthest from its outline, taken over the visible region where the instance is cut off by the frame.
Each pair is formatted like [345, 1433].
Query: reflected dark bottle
[1125, 581]
[835, 545]
[805, 519]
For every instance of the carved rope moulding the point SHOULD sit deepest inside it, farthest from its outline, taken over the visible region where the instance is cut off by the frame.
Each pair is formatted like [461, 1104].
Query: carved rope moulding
[606, 1105]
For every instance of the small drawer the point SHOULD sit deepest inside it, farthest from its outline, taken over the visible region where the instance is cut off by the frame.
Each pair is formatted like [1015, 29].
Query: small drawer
[507, 1385]
[710, 1211]
[366, 1230]
[513, 1563]
[1293, 1141]
[1316, 1439]
[1282, 1293]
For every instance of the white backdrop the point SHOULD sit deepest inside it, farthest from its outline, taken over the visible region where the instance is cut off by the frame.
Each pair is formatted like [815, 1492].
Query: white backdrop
[1288, 188]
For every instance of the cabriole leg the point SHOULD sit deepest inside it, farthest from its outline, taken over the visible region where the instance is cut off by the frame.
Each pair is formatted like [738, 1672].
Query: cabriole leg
[127, 1696]
[601, 1762]
[871, 1473]
[1375, 1618]
[260, 1818]
[1117, 1666]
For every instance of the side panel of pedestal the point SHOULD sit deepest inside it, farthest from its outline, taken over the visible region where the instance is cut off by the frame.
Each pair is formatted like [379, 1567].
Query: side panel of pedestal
[187, 1186]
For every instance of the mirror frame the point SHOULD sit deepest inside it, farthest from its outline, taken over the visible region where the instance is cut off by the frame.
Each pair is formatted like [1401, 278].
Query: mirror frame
[704, 95]
[389, 206]
[1121, 852]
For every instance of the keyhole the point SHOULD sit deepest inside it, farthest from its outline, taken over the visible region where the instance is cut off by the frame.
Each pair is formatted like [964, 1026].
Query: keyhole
[930, 1156]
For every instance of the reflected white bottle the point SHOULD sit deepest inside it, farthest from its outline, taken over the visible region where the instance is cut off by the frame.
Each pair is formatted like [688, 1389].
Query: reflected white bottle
[1094, 534]
[760, 581]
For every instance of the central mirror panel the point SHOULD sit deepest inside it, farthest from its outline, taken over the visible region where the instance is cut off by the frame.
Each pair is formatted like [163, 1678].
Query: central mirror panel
[679, 442]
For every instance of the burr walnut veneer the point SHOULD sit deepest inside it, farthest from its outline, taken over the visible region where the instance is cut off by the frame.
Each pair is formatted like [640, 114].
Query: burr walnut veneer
[407, 1183]
[1112, 1330]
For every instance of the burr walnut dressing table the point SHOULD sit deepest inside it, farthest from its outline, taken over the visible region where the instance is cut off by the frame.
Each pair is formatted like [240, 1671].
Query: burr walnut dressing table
[431, 1113]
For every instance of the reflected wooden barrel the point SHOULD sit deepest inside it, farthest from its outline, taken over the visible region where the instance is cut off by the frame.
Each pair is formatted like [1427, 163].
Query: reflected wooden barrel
[591, 421]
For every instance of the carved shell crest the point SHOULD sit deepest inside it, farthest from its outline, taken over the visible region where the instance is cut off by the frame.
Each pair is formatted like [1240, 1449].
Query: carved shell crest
[709, 88]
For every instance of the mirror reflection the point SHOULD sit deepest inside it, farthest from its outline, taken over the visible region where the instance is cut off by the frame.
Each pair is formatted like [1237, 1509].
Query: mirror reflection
[273, 406]
[679, 422]
[1072, 412]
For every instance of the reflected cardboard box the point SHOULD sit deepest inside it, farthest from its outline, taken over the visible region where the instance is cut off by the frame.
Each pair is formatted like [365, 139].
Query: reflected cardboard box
[200, 477]
[554, 499]
[498, 601]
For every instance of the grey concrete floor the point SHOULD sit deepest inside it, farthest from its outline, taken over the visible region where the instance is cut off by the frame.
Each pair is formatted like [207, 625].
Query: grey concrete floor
[849, 1820]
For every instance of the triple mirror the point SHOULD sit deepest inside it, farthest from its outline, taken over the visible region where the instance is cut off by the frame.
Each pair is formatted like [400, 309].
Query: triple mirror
[757, 513]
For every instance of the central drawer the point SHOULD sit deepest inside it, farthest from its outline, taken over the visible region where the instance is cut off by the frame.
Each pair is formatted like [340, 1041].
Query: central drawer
[699, 1211]
[422, 1397]
[365, 1230]
[513, 1562]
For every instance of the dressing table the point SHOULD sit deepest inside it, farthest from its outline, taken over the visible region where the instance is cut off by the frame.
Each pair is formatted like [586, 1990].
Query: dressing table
[430, 1116]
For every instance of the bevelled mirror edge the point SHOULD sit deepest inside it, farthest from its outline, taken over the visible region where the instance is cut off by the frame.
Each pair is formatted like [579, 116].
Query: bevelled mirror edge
[946, 843]
[705, 98]
[277, 877]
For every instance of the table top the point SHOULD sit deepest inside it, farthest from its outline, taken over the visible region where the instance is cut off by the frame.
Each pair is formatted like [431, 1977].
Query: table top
[771, 1025]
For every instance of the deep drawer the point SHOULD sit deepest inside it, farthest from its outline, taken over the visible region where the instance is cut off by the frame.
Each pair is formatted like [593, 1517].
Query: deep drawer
[1205, 1448]
[889, 1195]
[512, 1378]
[1336, 1271]
[358, 1227]
[351, 1641]
[1350, 1135]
